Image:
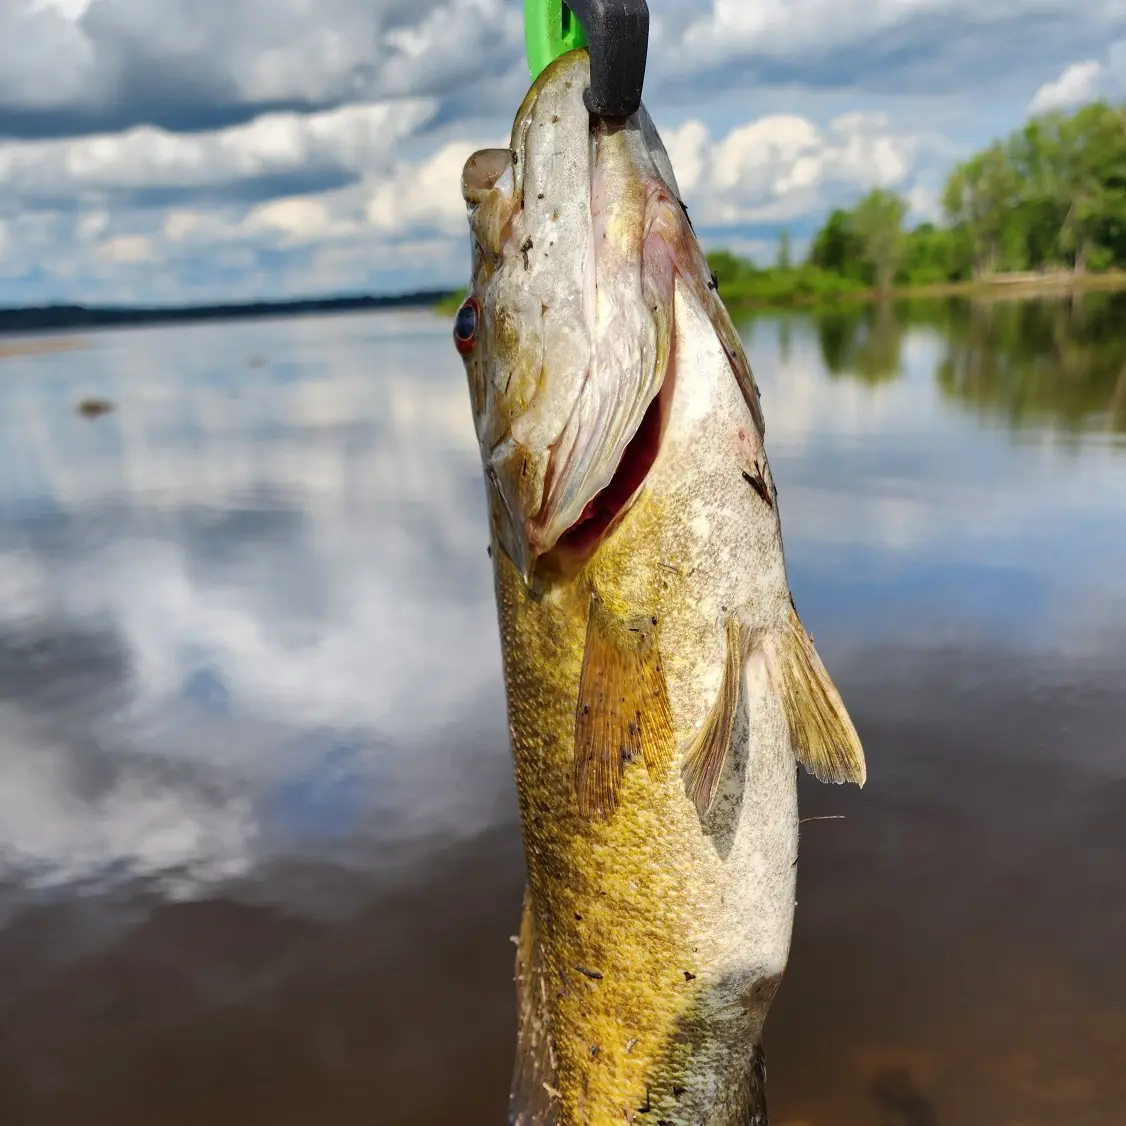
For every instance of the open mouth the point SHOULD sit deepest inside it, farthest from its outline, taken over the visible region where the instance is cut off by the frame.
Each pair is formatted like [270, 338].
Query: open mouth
[608, 507]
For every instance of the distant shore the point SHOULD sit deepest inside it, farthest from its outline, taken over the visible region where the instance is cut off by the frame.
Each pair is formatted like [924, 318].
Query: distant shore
[993, 287]
[47, 319]
[57, 318]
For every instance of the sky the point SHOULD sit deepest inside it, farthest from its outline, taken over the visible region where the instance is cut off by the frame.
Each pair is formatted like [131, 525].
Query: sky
[174, 151]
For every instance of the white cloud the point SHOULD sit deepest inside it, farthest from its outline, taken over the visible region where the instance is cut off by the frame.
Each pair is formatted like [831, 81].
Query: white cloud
[115, 58]
[352, 141]
[783, 166]
[393, 214]
[1079, 83]
[925, 204]
[254, 149]
[91, 224]
[427, 194]
[127, 248]
[99, 208]
[185, 226]
[301, 217]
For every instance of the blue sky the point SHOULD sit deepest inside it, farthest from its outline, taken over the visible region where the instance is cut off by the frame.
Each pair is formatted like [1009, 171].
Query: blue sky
[164, 151]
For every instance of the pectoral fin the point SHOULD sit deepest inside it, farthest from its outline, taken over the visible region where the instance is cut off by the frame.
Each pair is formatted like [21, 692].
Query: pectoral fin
[623, 709]
[707, 753]
[824, 739]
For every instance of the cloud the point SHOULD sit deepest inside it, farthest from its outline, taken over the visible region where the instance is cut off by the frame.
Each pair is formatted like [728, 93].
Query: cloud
[151, 202]
[110, 64]
[1086, 81]
[179, 151]
[427, 194]
[268, 156]
[890, 46]
[1079, 83]
[68, 66]
[210, 213]
[783, 166]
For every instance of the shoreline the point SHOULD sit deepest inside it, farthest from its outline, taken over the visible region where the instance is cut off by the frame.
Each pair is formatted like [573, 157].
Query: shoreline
[23, 331]
[997, 287]
[47, 320]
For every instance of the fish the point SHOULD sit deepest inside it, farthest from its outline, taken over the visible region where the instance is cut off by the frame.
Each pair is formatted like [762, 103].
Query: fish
[661, 689]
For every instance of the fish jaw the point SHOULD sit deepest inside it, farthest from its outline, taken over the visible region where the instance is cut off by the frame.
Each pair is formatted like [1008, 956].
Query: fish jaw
[576, 299]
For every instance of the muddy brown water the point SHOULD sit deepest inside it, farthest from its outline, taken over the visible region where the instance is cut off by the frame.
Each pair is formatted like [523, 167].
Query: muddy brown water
[259, 854]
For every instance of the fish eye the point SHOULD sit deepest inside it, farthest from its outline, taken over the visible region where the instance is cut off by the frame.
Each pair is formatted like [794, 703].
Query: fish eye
[465, 326]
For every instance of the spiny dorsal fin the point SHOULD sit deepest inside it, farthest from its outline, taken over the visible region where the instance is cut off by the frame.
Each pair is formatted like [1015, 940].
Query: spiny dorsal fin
[623, 709]
[707, 753]
[825, 741]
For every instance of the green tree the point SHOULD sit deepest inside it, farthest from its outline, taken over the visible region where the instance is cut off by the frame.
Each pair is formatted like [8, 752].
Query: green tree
[934, 255]
[837, 249]
[877, 221]
[1094, 158]
[785, 261]
[981, 194]
[729, 270]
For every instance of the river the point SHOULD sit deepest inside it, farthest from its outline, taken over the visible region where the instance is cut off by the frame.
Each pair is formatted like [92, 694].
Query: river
[259, 852]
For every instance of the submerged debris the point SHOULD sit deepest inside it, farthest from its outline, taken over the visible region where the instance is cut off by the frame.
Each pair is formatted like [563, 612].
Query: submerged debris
[94, 408]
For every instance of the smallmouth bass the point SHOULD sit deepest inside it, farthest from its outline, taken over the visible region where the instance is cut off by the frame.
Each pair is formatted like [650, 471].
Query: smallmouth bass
[661, 688]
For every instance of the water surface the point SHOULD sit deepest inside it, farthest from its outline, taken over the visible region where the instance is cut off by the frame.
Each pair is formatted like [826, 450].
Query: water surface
[259, 854]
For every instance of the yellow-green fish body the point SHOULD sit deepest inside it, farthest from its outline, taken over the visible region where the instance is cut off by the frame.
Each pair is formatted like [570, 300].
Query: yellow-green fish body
[661, 689]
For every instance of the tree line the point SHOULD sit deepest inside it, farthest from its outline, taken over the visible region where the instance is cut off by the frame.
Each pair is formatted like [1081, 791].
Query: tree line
[1050, 197]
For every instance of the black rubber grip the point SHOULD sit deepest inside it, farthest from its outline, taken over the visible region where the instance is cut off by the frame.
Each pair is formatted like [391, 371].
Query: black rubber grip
[618, 35]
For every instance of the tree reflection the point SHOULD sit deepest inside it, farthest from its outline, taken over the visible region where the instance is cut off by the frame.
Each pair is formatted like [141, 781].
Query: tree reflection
[863, 341]
[1031, 361]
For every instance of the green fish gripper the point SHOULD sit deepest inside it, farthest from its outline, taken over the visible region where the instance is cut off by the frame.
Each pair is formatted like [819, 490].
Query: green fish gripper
[551, 29]
[617, 33]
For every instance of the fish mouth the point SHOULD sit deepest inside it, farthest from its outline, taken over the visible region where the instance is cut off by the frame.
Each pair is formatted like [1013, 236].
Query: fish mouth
[582, 349]
[608, 508]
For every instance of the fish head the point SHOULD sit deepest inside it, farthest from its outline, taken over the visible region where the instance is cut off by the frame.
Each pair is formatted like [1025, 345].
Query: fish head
[578, 237]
